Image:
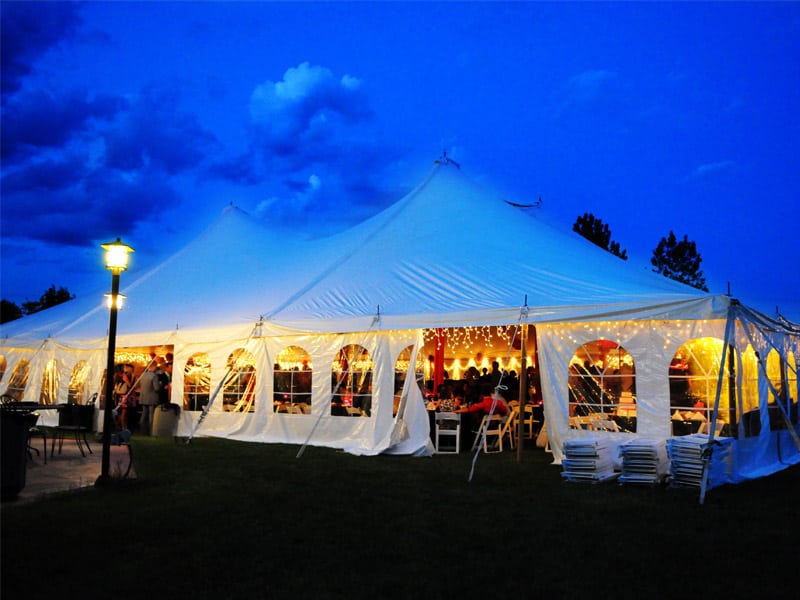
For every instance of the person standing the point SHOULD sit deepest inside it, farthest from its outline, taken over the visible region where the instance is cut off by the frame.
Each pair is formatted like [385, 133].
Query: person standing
[164, 373]
[122, 394]
[149, 385]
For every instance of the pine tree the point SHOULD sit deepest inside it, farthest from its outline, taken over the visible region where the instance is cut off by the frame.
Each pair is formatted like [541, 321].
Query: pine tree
[679, 260]
[594, 230]
[51, 297]
[9, 311]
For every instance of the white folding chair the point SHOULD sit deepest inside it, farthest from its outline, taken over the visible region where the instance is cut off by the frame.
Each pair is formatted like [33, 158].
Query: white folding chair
[448, 426]
[510, 424]
[529, 422]
[491, 432]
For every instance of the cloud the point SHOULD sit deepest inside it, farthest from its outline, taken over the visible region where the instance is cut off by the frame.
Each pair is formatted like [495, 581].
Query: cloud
[293, 207]
[585, 90]
[35, 121]
[588, 85]
[707, 169]
[29, 30]
[312, 142]
[101, 204]
[78, 167]
[590, 81]
[85, 168]
[155, 132]
[47, 174]
[306, 110]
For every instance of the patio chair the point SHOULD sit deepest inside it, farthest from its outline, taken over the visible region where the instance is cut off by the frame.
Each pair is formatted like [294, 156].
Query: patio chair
[74, 420]
[34, 431]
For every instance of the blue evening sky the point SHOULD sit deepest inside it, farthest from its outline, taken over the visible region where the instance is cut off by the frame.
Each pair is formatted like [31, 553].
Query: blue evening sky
[143, 120]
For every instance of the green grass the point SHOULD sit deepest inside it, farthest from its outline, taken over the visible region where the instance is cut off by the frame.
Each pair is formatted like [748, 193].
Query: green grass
[223, 519]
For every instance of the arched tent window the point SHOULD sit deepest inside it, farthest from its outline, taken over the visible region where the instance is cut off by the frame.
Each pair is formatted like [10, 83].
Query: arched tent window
[238, 389]
[602, 388]
[401, 368]
[751, 414]
[49, 391]
[791, 385]
[19, 380]
[777, 378]
[351, 382]
[77, 383]
[693, 375]
[2, 366]
[292, 384]
[196, 382]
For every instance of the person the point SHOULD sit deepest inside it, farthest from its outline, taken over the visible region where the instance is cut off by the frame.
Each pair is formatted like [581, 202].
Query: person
[338, 409]
[451, 404]
[484, 405]
[474, 413]
[496, 375]
[511, 383]
[122, 398]
[148, 396]
[164, 373]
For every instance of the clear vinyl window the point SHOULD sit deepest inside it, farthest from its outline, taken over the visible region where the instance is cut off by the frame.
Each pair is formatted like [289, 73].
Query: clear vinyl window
[351, 382]
[238, 389]
[196, 382]
[602, 388]
[292, 381]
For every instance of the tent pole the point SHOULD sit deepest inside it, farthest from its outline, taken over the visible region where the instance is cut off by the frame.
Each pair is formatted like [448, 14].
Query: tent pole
[523, 391]
[731, 386]
[438, 359]
[729, 331]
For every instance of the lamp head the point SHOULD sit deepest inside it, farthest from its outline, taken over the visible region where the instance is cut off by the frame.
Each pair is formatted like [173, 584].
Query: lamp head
[116, 255]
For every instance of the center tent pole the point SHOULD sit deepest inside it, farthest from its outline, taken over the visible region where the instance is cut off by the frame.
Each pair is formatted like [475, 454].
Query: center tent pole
[438, 359]
[523, 391]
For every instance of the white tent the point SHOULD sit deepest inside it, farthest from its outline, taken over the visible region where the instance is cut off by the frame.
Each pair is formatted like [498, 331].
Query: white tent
[448, 255]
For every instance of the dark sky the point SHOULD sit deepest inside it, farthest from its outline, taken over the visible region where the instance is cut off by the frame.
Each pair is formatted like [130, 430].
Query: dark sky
[144, 120]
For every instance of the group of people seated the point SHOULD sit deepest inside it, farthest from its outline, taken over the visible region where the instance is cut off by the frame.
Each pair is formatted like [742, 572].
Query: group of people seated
[469, 394]
[457, 402]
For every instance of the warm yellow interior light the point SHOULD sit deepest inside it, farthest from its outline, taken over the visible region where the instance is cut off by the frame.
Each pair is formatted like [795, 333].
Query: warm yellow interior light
[110, 300]
[116, 255]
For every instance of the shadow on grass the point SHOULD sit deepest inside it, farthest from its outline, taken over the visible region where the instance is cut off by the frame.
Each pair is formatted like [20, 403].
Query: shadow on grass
[224, 519]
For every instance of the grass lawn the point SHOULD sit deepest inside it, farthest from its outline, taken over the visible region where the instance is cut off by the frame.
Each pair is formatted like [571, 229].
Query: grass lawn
[223, 519]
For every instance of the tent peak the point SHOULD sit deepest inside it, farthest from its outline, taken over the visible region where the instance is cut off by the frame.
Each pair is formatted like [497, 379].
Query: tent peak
[443, 160]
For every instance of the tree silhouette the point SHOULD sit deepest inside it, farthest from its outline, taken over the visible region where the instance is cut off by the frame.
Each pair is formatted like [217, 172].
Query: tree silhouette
[51, 297]
[594, 230]
[9, 311]
[679, 260]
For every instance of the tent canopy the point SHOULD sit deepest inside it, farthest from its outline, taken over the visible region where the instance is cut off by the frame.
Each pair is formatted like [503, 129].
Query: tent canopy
[450, 253]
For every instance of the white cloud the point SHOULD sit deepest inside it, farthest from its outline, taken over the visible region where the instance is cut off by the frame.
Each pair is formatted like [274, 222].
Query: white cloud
[584, 89]
[590, 80]
[293, 206]
[709, 168]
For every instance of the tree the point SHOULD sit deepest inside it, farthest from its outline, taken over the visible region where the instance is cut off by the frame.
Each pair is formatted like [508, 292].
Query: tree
[9, 311]
[598, 233]
[51, 297]
[679, 260]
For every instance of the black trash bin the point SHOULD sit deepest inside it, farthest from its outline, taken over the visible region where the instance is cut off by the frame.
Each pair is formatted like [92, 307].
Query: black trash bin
[13, 448]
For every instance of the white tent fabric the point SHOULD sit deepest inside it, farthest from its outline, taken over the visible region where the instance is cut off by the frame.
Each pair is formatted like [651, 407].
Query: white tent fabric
[452, 254]
[448, 254]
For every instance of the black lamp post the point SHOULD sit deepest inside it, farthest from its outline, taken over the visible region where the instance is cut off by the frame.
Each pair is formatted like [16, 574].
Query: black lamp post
[116, 262]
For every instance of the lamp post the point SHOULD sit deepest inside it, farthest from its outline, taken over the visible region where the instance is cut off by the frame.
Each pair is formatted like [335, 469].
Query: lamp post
[116, 261]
